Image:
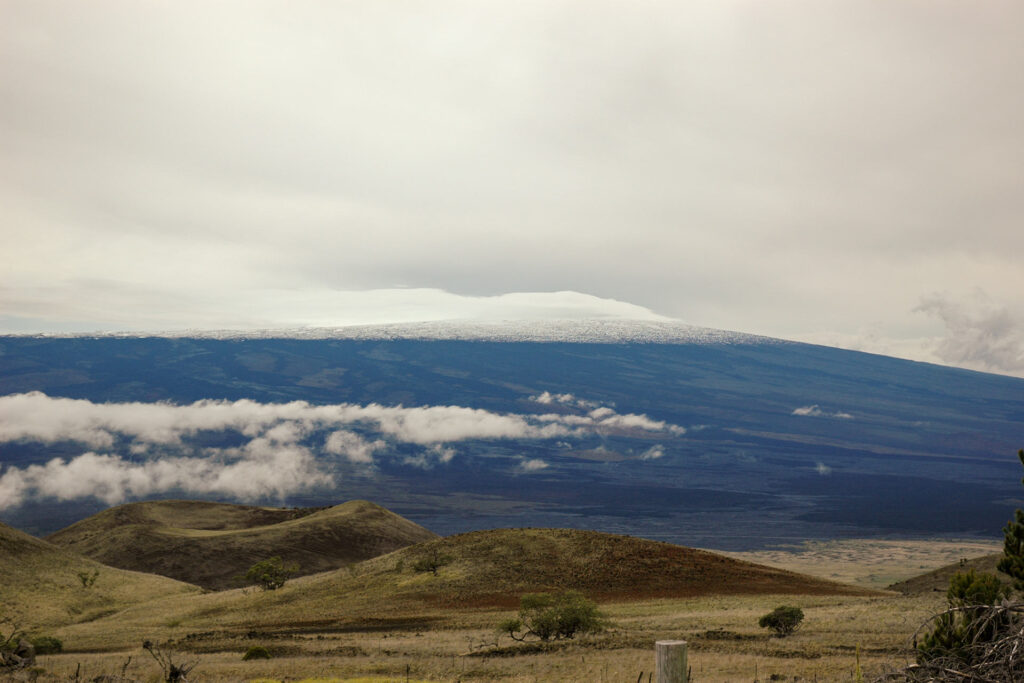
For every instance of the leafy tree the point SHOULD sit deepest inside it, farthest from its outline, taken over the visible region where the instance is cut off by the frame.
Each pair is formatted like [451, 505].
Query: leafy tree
[1012, 562]
[270, 574]
[966, 623]
[557, 616]
[432, 562]
[784, 620]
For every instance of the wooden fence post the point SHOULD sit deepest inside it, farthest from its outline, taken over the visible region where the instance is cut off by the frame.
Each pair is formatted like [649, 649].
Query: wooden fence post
[670, 661]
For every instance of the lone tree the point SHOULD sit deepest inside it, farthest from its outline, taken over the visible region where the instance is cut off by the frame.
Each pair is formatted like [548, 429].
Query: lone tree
[784, 620]
[270, 574]
[557, 616]
[1012, 562]
[432, 562]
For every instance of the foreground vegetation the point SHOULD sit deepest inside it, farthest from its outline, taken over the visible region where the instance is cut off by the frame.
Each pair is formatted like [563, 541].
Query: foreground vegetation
[445, 644]
[452, 609]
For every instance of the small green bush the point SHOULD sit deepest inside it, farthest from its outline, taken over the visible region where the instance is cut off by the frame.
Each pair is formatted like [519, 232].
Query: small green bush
[88, 578]
[256, 652]
[270, 574]
[555, 616]
[783, 620]
[47, 645]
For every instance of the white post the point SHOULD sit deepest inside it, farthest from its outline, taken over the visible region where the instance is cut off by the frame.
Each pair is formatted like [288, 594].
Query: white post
[670, 661]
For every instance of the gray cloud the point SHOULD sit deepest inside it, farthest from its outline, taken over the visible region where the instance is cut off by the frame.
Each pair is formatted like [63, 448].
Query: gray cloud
[792, 169]
[979, 333]
[149, 449]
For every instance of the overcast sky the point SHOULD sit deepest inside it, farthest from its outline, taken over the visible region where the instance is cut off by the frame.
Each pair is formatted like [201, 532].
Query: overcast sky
[841, 172]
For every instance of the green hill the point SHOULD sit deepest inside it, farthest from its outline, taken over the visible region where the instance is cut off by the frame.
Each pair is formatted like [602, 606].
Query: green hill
[212, 544]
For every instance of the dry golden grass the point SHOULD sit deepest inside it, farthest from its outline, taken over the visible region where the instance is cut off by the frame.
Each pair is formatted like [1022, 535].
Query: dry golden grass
[869, 562]
[41, 588]
[725, 643]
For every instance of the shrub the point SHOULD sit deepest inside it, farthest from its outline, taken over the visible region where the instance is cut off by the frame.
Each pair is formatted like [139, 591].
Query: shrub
[957, 631]
[47, 645]
[256, 652]
[432, 562]
[782, 620]
[270, 574]
[557, 616]
[88, 578]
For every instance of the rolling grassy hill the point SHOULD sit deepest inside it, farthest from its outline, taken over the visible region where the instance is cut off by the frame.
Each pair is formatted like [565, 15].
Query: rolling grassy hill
[211, 544]
[493, 568]
[41, 587]
[482, 572]
[937, 580]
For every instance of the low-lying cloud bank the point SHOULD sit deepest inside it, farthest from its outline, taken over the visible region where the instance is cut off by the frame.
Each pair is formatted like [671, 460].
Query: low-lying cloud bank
[139, 449]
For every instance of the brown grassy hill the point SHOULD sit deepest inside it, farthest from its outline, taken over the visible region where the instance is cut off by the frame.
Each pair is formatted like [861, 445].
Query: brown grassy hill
[40, 584]
[488, 569]
[495, 567]
[211, 544]
[937, 580]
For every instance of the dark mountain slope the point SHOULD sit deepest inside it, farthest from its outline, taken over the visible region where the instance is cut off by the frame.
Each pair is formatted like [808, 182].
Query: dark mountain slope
[894, 448]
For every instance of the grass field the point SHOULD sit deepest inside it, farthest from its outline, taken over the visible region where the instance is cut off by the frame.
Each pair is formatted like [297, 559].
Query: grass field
[725, 644]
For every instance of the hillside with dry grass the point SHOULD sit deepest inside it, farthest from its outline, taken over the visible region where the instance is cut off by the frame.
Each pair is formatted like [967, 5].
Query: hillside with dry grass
[213, 544]
[937, 580]
[486, 570]
[495, 567]
[41, 584]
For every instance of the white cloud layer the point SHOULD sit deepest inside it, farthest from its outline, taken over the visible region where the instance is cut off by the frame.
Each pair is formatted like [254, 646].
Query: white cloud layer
[148, 446]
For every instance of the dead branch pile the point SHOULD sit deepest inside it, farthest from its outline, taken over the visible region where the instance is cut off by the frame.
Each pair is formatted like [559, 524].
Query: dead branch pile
[15, 651]
[992, 650]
